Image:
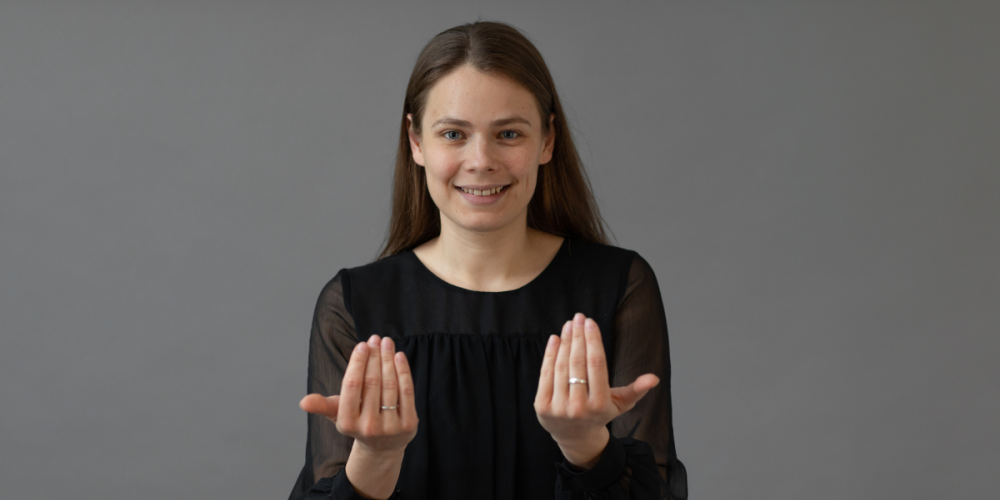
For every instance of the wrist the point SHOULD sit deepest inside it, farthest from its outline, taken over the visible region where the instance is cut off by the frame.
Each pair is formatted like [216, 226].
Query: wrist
[585, 452]
[374, 455]
[373, 473]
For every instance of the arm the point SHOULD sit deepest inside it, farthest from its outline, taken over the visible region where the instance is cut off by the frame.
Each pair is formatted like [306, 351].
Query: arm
[331, 340]
[376, 408]
[345, 391]
[623, 463]
[642, 346]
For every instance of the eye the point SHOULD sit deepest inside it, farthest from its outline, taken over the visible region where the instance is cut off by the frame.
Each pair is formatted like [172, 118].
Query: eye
[509, 134]
[452, 135]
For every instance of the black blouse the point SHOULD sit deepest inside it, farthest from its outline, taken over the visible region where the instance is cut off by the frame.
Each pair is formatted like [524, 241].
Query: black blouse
[476, 358]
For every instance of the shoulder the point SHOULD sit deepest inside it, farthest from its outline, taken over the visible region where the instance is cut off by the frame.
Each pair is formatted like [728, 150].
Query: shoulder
[640, 270]
[331, 311]
[631, 271]
[634, 263]
[382, 269]
[333, 291]
[338, 288]
[589, 251]
[390, 276]
[355, 286]
[641, 282]
[597, 256]
[606, 265]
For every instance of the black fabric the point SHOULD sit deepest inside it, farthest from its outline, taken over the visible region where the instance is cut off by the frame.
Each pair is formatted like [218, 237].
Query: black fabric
[476, 358]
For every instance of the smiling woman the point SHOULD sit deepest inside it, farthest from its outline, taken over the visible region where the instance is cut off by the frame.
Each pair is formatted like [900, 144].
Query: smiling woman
[481, 156]
[482, 151]
[499, 348]
[521, 111]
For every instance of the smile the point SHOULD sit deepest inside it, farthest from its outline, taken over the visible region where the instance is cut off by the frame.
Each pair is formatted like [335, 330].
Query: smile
[482, 192]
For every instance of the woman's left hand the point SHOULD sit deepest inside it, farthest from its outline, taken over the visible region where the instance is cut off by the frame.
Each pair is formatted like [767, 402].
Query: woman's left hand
[576, 415]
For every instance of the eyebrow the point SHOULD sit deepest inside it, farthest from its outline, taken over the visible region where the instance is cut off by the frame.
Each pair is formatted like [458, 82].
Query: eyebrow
[500, 122]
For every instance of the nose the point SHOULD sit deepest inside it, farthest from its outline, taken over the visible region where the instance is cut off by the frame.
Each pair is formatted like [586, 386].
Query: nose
[481, 155]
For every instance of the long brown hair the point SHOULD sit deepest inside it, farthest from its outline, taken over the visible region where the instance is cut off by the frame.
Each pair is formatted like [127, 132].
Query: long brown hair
[562, 204]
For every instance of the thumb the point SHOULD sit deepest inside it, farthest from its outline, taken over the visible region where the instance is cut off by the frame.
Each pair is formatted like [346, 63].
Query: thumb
[326, 406]
[626, 397]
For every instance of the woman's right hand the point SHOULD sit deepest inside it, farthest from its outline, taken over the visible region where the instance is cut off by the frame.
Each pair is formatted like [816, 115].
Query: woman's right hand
[377, 376]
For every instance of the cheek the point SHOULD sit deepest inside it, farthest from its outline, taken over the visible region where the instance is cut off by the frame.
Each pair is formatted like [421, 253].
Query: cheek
[437, 163]
[530, 183]
[527, 172]
[439, 169]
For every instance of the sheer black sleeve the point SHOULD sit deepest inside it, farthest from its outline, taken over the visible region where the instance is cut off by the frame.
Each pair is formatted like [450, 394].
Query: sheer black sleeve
[640, 461]
[331, 341]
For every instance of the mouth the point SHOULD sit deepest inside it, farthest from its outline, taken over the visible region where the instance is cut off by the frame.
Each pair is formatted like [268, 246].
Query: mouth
[483, 195]
[482, 191]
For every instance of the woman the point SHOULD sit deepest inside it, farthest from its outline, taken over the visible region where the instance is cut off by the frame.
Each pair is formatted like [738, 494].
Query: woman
[495, 244]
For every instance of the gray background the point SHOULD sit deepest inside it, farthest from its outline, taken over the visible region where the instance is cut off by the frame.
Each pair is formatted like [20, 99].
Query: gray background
[815, 185]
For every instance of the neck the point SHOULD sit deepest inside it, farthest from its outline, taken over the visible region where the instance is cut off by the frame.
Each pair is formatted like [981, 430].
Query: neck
[490, 260]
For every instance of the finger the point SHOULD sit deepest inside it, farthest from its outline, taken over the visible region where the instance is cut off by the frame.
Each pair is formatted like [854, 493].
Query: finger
[597, 366]
[626, 397]
[319, 405]
[407, 406]
[578, 360]
[560, 377]
[372, 394]
[544, 394]
[353, 384]
[389, 381]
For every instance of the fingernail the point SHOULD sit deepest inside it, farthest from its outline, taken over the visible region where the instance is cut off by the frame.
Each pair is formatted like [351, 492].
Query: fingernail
[552, 341]
[373, 341]
[362, 348]
[387, 344]
[590, 324]
[579, 317]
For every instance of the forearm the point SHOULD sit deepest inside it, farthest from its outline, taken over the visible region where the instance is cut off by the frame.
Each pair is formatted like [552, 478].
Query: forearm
[373, 474]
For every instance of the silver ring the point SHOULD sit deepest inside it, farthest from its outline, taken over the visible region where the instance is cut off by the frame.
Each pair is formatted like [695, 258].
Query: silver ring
[393, 407]
[574, 380]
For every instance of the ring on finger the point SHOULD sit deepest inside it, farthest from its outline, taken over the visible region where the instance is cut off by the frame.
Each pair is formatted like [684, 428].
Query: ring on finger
[393, 407]
[574, 380]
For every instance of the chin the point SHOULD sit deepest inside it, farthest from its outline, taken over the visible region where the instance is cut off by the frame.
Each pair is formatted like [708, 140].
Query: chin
[481, 224]
[482, 227]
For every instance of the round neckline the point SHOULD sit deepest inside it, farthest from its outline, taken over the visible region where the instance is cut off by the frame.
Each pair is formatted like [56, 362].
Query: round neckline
[548, 269]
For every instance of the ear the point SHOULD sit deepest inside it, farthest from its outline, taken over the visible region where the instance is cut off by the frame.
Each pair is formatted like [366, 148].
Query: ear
[418, 153]
[550, 142]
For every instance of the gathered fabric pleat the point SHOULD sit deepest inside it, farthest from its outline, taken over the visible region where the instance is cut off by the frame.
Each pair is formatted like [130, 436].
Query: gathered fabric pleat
[474, 416]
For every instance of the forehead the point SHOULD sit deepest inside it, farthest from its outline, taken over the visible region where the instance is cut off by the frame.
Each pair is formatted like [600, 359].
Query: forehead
[479, 97]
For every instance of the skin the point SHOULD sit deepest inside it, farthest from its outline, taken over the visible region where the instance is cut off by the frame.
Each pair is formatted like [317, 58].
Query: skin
[479, 130]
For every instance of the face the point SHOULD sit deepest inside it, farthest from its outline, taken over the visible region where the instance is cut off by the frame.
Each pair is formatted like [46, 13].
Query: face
[480, 145]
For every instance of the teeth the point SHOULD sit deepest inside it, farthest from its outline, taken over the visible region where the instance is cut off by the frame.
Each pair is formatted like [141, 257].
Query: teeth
[483, 192]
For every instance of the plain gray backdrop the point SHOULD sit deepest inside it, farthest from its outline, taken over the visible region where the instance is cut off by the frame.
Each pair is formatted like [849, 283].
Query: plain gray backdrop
[816, 184]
